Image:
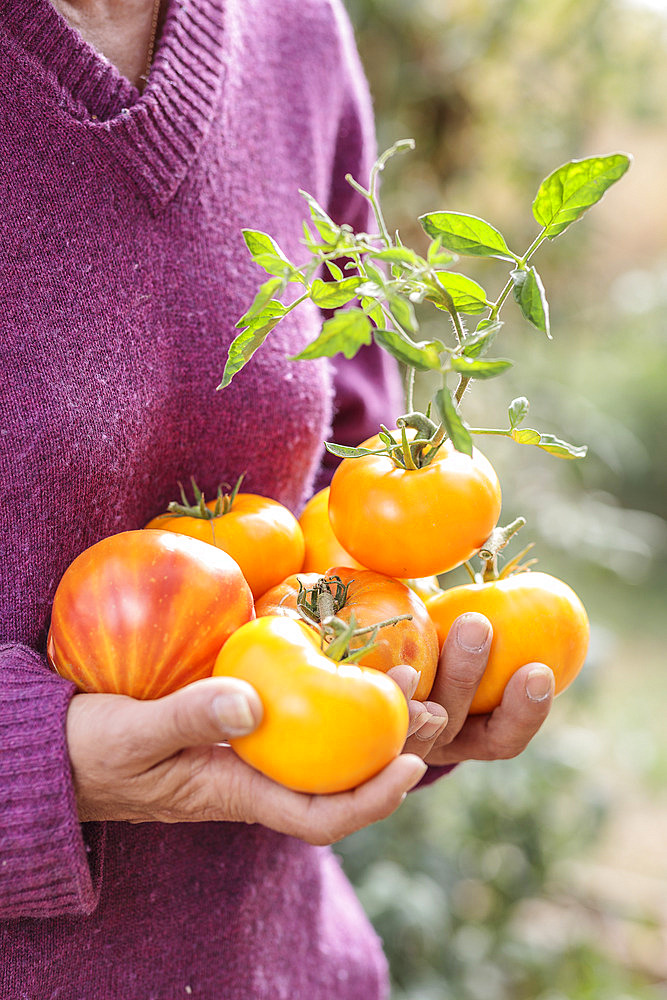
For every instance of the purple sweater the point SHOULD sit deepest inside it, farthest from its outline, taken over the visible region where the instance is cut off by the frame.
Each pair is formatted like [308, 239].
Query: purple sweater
[122, 272]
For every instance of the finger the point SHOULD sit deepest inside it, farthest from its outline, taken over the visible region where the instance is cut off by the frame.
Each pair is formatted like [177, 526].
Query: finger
[406, 677]
[508, 730]
[324, 819]
[427, 723]
[207, 711]
[462, 662]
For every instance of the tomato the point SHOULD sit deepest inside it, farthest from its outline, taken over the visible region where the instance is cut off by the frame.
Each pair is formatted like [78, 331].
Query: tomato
[322, 547]
[372, 598]
[535, 618]
[261, 534]
[327, 726]
[143, 613]
[414, 523]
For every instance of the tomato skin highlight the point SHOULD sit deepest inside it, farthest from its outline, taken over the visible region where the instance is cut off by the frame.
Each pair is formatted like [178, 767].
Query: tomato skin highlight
[322, 548]
[327, 727]
[414, 523]
[535, 618]
[260, 534]
[143, 613]
[372, 598]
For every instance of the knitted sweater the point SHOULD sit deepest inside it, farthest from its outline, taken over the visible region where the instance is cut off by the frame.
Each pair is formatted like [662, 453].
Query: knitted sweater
[122, 272]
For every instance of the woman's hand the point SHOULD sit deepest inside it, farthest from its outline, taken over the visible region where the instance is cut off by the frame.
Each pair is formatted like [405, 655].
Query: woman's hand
[147, 761]
[442, 732]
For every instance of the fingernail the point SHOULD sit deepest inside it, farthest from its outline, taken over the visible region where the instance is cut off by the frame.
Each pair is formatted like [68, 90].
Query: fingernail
[472, 632]
[413, 684]
[433, 725]
[233, 713]
[539, 684]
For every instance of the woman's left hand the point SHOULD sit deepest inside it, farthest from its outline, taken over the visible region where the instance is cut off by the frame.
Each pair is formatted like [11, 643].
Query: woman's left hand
[441, 730]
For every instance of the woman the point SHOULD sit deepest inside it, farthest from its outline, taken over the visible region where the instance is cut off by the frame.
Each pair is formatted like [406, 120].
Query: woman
[137, 857]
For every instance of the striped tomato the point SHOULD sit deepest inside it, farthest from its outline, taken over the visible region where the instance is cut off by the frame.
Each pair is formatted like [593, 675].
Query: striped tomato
[143, 613]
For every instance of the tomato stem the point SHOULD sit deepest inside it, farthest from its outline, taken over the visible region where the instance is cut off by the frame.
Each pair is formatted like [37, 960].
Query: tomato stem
[496, 541]
[223, 504]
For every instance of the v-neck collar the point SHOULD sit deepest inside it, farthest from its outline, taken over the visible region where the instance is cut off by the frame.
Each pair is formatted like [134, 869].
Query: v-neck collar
[155, 135]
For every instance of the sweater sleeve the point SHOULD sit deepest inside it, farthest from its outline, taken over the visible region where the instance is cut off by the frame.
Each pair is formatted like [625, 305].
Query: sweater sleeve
[49, 863]
[367, 388]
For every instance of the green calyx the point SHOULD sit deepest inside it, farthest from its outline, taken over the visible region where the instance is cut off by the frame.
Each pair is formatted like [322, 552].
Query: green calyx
[223, 504]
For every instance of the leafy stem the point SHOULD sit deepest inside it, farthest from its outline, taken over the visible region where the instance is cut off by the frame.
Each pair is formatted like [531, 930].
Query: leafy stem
[374, 285]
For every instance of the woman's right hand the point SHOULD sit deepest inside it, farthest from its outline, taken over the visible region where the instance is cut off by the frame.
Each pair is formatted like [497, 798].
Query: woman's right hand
[148, 761]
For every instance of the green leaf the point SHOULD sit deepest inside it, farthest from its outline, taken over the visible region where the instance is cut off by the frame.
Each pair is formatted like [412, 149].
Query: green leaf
[332, 294]
[569, 191]
[422, 355]
[374, 310]
[547, 442]
[468, 297]
[324, 224]
[246, 343]
[479, 341]
[399, 255]
[403, 312]
[531, 297]
[449, 415]
[517, 411]
[436, 256]
[342, 451]
[466, 234]
[263, 296]
[344, 333]
[334, 271]
[480, 369]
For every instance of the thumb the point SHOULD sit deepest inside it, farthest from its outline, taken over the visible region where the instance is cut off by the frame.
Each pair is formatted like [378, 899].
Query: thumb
[208, 711]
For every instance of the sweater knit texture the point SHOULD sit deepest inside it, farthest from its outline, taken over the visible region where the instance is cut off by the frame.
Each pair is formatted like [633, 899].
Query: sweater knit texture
[122, 273]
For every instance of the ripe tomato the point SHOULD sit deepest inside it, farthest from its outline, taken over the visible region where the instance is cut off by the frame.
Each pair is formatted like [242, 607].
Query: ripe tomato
[261, 534]
[322, 547]
[535, 618]
[143, 613]
[327, 726]
[414, 523]
[372, 598]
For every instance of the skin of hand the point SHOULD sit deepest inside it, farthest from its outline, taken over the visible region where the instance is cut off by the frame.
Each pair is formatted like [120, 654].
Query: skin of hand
[441, 730]
[161, 760]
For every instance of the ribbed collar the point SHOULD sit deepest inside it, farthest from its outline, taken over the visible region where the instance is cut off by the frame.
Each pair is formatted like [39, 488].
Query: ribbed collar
[156, 135]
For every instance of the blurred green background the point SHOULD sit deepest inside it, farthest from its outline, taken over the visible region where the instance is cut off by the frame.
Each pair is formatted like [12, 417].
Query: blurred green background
[545, 878]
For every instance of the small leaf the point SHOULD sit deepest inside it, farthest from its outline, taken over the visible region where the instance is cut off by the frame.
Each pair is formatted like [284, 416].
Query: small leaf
[259, 243]
[480, 369]
[373, 309]
[468, 297]
[324, 224]
[399, 255]
[334, 271]
[423, 356]
[436, 256]
[344, 333]
[449, 415]
[403, 312]
[526, 435]
[569, 191]
[531, 297]
[478, 342]
[547, 442]
[263, 296]
[342, 451]
[466, 234]
[518, 410]
[332, 294]
[246, 343]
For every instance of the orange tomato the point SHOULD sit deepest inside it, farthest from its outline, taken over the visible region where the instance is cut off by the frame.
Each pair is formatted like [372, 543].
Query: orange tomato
[327, 726]
[414, 523]
[535, 618]
[260, 534]
[143, 613]
[322, 547]
[372, 598]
